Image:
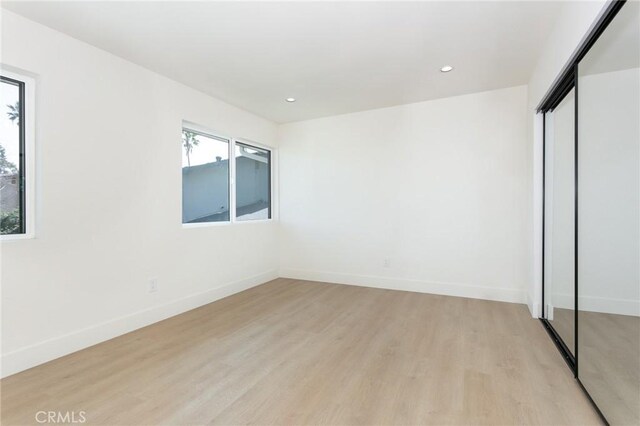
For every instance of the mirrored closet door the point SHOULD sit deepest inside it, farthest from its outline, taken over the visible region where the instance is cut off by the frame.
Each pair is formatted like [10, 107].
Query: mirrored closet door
[609, 219]
[591, 214]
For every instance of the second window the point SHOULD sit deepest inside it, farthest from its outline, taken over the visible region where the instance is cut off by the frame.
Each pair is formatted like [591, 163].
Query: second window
[209, 179]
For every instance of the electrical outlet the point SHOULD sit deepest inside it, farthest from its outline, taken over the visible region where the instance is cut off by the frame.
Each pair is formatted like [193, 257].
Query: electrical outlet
[153, 285]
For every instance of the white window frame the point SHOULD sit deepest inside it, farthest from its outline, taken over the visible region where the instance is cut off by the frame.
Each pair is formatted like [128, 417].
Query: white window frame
[29, 153]
[233, 220]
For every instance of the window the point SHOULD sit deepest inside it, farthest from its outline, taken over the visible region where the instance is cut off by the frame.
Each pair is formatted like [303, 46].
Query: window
[253, 182]
[217, 190]
[205, 178]
[16, 216]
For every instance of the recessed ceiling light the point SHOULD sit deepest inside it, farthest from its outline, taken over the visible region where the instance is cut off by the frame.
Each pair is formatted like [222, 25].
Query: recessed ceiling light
[446, 68]
[290, 99]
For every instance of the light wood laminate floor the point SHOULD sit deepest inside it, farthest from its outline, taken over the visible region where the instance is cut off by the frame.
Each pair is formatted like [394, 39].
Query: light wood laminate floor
[297, 352]
[609, 360]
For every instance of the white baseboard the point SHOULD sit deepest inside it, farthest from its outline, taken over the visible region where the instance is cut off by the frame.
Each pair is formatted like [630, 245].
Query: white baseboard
[30, 356]
[608, 305]
[603, 305]
[534, 308]
[419, 286]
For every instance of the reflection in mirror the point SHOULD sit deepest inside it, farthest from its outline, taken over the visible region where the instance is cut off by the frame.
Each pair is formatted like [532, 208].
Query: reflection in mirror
[559, 229]
[609, 219]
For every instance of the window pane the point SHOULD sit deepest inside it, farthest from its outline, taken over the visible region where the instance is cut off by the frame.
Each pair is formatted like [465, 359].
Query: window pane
[205, 178]
[253, 177]
[11, 196]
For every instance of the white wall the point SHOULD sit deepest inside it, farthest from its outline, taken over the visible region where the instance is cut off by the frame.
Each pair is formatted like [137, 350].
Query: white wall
[437, 189]
[573, 24]
[609, 192]
[109, 203]
[559, 248]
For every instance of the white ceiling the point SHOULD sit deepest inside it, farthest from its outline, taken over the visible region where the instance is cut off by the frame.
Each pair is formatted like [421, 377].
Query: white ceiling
[334, 57]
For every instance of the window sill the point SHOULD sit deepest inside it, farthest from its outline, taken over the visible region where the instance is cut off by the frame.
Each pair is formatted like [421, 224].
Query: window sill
[243, 222]
[16, 237]
[204, 224]
[215, 224]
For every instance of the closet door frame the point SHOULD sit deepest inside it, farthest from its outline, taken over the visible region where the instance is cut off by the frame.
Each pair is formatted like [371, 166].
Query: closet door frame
[569, 83]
